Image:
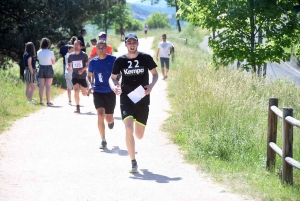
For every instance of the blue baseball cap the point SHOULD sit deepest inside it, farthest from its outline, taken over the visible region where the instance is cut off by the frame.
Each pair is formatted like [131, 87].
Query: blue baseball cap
[131, 35]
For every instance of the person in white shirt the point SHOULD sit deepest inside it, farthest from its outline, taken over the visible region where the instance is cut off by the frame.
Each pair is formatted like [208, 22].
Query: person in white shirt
[163, 52]
[46, 60]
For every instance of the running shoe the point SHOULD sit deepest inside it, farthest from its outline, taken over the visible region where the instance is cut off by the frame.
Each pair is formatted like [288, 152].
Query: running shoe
[134, 167]
[77, 109]
[70, 103]
[103, 144]
[49, 104]
[31, 102]
[41, 103]
[111, 125]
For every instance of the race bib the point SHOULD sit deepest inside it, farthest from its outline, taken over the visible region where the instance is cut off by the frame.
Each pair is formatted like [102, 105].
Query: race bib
[77, 64]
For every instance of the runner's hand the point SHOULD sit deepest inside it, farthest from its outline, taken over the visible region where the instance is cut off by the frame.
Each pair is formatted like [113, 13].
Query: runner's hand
[117, 89]
[91, 90]
[148, 89]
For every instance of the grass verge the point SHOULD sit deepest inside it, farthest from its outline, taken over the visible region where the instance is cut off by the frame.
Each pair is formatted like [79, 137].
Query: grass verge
[219, 119]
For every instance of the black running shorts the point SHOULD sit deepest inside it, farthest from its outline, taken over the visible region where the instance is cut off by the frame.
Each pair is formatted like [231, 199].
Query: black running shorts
[46, 72]
[164, 61]
[81, 82]
[138, 112]
[106, 101]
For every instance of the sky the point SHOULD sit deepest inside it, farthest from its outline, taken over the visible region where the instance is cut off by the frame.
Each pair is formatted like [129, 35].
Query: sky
[148, 2]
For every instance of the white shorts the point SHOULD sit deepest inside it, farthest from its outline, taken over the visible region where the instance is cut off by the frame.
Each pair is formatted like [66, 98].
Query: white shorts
[69, 80]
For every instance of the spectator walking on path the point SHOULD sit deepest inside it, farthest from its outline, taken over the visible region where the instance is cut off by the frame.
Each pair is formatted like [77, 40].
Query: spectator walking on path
[104, 97]
[163, 52]
[81, 38]
[68, 74]
[63, 50]
[122, 32]
[135, 67]
[146, 30]
[30, 71]
[46, 60]
[78, 62]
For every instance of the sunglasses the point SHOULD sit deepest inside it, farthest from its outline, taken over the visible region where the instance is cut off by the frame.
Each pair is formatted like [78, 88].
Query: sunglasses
[103, 36]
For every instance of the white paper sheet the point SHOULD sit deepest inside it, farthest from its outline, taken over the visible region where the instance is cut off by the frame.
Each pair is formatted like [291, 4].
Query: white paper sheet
[137, 94]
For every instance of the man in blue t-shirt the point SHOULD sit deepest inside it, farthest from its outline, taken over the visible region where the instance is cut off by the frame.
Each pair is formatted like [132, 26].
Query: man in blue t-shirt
[104, 97]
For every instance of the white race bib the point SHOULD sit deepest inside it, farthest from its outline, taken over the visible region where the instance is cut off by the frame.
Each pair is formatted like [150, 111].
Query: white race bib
[77, 64]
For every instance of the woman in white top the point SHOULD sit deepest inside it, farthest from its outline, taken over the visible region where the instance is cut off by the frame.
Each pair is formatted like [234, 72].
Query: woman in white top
[46, 60]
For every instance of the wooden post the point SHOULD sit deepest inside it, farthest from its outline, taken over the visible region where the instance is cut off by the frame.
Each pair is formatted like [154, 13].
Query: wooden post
[287, 146]
[272, 134]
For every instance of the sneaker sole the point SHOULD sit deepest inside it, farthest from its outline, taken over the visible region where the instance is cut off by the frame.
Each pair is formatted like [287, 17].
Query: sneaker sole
[133, 171]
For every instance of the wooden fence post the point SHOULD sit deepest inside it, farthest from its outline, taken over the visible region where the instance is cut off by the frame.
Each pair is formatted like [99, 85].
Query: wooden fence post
[272, 134]
[287, 146]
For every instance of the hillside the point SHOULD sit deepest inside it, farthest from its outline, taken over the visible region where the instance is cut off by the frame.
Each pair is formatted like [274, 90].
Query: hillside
[142, 12]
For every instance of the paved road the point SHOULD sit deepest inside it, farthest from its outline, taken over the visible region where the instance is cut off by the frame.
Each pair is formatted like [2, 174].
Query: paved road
[53, 155]
[283, 70]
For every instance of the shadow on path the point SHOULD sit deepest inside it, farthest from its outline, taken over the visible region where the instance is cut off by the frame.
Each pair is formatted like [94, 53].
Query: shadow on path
[87, 113]
[116, 150]
[151, 176]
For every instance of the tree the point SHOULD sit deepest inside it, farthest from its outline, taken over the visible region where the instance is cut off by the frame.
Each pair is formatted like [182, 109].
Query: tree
[170, 3]
[130, 25]
[116, 14]
[241, 25]
[24, 21]
[158, 21]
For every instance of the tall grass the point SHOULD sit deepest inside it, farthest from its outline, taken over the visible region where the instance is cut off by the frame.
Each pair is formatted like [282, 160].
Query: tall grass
[219, 118]
[13, 102]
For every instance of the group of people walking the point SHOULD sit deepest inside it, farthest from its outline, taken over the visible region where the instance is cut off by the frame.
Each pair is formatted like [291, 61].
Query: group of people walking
[112, 76]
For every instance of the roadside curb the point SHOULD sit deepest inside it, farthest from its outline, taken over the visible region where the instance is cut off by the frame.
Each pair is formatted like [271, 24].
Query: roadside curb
[289, 65]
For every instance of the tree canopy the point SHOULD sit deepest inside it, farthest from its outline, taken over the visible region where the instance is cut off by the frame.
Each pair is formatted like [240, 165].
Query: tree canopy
[257, 31]
[170, 3]
[119, 14]
[158, 21]
[24, 21]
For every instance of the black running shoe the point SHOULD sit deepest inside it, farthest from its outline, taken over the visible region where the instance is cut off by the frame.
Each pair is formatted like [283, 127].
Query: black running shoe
[77, 109]
[111, 125]
[134, 167]
[103, 144]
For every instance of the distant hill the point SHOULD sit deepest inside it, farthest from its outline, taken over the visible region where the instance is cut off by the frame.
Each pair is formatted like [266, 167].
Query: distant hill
[143, 12]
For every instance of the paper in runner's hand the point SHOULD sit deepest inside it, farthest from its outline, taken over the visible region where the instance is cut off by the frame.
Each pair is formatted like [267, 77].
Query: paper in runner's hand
[137, 94]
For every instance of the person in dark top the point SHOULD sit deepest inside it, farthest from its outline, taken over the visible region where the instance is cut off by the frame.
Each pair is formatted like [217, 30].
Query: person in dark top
[135, 67]
[81, 38]
[30, 71]
[78, 62]
[63, 50]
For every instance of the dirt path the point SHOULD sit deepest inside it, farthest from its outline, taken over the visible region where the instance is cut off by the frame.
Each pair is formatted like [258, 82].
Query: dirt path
[53, 155]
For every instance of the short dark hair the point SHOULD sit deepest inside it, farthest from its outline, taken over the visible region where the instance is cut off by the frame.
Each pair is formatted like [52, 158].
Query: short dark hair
[45, 43]
[29, 48]
[164, 35]
[94, 40]
[79, 42]
[82, 31]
